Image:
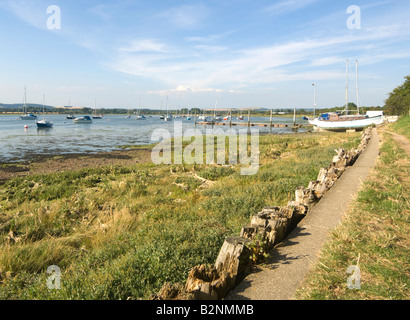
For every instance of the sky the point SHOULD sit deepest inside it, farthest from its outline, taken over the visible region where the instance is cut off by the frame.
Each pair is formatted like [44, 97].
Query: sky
[229, 54]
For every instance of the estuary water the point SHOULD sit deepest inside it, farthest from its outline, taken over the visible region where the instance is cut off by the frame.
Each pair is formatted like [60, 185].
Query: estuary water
[18, 143]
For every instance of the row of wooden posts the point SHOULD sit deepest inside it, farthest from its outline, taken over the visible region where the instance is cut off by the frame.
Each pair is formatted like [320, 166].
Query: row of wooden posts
[267, 229]
[294, 125]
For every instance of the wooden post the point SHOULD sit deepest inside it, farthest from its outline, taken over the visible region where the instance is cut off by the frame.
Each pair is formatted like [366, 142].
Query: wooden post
[249, 118]
[230, 118]
[271, 119]
[234, 258]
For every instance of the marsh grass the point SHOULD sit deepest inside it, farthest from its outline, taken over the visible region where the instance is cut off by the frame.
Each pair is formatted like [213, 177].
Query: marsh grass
[119, 232]
[373, 235]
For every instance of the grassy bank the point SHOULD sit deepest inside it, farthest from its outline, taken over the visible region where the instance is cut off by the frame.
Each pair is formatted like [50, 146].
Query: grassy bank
[374, 236]
[119, 232]
[402, 126]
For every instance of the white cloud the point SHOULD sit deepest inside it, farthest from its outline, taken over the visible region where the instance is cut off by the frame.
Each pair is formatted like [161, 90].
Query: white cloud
[184, 89]
[103, 11]
[250, 67]
[211, 48]
[28, 12]
[185, 16]
[209, 38]
[288, 6]
[145, 45]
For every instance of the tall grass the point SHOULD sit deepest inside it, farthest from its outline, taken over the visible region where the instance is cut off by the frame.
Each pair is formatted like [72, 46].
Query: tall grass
[402, 126]
[373, 236]
[121, 232]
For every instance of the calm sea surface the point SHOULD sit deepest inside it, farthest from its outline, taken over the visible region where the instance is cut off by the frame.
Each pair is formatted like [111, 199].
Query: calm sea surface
[18, 143]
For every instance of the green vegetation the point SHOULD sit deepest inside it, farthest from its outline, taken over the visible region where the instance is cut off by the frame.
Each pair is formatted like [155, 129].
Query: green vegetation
[402, 126]
[121, 232]
[373, 236]
[398, 102]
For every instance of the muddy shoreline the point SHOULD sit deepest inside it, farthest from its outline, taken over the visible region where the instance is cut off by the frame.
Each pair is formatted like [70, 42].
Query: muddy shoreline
[44, 164]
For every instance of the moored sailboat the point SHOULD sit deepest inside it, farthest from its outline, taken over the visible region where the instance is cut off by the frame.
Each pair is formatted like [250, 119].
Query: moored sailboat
[168, 117]
[44, 123]
[84, 119]
[95, 115]
[336, 121]
[25, 115]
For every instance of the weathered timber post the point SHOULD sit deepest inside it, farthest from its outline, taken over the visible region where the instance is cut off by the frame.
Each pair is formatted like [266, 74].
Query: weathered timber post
[234, 258]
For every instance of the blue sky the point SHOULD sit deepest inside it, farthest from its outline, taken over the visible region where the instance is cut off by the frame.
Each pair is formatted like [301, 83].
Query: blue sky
[243, 53]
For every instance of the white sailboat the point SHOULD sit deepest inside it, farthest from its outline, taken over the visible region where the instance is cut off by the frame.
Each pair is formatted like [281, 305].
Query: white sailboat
[336, 121]
[216, 117]
[44, 123]
[168, 117]
[95, 115]
[25, 115]
[139, 116]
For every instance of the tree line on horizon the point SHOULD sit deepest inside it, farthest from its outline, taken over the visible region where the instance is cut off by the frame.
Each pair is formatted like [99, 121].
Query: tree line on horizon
[397, 103]
[31, 108]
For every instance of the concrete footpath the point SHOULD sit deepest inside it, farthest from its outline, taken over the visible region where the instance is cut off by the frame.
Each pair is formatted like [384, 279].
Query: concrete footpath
[292, 259]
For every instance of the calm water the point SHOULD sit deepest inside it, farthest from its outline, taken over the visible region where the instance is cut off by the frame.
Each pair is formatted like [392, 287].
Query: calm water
[106, 134]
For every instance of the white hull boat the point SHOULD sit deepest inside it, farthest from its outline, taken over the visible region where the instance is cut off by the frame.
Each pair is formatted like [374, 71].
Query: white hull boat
[343, 123]
[44, 123]
[85, 119]
[335, 121]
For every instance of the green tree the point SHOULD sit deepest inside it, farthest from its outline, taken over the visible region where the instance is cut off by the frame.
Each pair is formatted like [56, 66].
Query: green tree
[398, 102]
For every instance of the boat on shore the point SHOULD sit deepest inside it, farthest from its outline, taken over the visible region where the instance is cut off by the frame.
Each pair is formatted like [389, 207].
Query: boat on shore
[337, 122]
[342, 121]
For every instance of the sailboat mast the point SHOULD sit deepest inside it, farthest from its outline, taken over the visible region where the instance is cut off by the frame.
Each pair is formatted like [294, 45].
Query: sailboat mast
[347, 86]
[314, 100]
[25, 100]
[357, 87]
